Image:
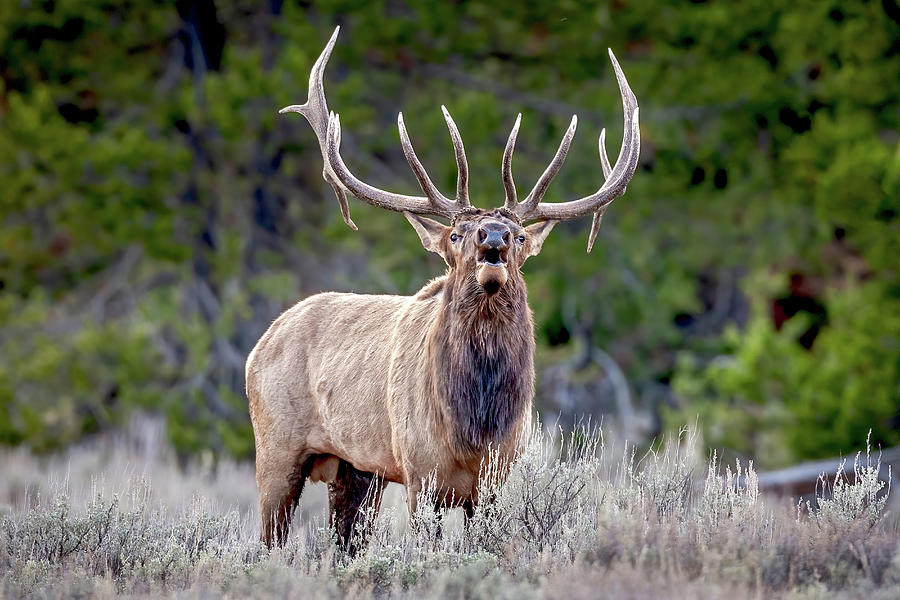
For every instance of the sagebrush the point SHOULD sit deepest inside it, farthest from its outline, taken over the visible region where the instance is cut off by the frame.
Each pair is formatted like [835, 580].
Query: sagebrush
[574, 516]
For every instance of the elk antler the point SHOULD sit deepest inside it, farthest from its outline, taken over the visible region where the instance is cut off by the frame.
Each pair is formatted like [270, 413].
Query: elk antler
[617, 177]
[327, 127]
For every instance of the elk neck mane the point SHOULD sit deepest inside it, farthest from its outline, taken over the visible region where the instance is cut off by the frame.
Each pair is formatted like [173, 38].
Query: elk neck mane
[482, 349]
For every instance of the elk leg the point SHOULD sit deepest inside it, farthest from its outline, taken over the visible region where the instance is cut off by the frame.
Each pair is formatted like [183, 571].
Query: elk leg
[422, 519]
[412, 495]
[349, 495]
[279, 494]
[468, 507]
[440, 507]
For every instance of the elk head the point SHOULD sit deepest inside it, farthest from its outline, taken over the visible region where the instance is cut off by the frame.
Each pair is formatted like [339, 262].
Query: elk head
[485, 245]
[489, 245]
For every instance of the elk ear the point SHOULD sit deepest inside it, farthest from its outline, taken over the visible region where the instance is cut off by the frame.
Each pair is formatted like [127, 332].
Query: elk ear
[430, 232]
[537, 233]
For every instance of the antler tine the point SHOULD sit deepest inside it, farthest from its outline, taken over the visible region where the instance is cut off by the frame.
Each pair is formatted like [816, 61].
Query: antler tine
[367, 193]
[540, 188]
[619, 176]
[604, 157]
[508, 182]
[431, 191]
[327, 129]
[598, 216]
[315, 109]
[462, 166]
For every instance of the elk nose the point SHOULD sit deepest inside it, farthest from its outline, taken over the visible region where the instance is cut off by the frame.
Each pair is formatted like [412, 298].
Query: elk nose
[489, 237]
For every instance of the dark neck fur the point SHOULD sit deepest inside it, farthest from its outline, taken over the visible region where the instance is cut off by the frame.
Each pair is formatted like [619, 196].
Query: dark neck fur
[483, 353]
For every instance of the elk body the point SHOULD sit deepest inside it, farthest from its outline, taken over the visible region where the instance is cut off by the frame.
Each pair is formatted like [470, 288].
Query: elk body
[344, 387]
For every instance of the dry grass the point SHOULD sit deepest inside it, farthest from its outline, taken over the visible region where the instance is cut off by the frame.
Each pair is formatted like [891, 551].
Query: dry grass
[575, 519]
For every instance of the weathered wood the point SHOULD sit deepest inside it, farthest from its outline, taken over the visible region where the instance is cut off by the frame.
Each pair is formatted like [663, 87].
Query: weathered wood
[805, 479]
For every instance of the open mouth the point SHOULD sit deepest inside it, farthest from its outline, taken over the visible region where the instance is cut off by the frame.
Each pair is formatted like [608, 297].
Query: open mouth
[492, 256]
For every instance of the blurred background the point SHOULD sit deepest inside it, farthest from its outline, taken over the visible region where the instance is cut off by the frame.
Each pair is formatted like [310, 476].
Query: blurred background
[156, 214]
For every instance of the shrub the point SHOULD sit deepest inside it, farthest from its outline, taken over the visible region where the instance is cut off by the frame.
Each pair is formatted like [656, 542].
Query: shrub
[569, 507]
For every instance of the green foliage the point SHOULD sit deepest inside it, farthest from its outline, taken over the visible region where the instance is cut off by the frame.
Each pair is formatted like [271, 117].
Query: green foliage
[766, 391]
[157, 213]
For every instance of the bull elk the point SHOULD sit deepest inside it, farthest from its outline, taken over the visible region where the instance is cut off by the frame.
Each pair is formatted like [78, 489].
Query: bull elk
[344, 387]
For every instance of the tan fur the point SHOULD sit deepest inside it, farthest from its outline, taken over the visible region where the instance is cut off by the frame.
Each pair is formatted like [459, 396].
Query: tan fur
[360, 377]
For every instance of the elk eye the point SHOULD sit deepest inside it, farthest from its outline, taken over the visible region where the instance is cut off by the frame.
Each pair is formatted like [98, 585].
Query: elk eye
[454, 238]
[520, 239]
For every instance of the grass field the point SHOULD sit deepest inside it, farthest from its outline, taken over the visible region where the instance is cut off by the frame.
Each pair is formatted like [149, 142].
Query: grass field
[576, 519]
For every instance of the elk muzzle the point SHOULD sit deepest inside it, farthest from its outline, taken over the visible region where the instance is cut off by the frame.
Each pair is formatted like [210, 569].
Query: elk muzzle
[493, 249]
